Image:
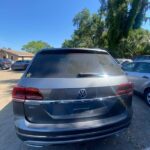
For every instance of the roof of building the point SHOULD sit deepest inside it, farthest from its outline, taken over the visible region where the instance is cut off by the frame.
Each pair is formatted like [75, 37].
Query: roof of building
[18, 53]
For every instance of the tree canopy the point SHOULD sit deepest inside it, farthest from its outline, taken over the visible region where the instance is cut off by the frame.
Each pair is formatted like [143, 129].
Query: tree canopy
[35, 46]
[121, 17]
[137, 43]
[90, 30]
[113, 27]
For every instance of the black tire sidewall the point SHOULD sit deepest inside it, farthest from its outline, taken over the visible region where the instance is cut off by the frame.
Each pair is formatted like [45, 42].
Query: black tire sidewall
[1, 68]
[145, 96]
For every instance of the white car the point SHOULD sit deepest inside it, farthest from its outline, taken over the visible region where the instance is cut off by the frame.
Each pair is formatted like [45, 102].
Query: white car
[139, 74]
[123, 61]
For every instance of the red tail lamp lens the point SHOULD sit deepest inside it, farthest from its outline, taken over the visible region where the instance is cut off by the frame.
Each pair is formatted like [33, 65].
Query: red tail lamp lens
[126, 88]
[18, 93]
[21, 94]
[33, 94]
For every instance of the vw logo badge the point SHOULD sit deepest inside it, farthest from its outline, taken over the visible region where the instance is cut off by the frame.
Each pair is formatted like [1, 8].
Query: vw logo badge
[82, 93]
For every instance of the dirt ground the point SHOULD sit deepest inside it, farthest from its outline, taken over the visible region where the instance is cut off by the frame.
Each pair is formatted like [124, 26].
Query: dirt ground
[136, 137]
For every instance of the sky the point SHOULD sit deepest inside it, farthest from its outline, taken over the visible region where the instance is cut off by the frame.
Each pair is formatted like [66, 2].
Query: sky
[22, 21]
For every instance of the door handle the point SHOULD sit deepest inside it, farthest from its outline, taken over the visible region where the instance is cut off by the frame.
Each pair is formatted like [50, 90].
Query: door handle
[145, 77]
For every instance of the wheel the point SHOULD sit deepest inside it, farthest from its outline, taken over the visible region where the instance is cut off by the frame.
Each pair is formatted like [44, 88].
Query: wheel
[2, 68]
[147, 96]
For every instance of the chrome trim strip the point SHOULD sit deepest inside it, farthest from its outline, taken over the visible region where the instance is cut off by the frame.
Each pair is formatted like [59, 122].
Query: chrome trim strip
[68, 101]
[18, 100]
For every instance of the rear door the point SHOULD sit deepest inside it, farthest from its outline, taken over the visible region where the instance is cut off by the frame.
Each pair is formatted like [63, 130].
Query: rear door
[73, 86]
[138, 73]
[130, 72]
[143, 75]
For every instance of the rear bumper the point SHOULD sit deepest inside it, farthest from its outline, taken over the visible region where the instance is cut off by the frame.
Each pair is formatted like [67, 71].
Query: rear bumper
[47, 134]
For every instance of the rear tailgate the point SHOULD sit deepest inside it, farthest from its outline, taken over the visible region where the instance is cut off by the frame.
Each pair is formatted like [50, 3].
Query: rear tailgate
[67, 104]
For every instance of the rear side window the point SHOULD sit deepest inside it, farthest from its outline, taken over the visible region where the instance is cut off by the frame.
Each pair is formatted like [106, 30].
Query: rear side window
[143, 67]
[69, 65]
[142, 58]
[129, 67]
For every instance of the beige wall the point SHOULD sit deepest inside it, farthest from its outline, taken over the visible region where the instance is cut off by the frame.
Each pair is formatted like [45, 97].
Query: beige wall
[12, 57]
[24, 58]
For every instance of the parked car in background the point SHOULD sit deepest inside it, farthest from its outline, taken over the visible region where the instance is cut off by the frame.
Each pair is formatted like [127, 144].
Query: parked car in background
[71, 95]
[20, 65]
[142, 57]
[139, 73]
[5, 63]
[123, 61]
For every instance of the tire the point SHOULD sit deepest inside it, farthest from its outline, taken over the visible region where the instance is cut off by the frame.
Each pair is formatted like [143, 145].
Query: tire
[2, 68]
[147, 96]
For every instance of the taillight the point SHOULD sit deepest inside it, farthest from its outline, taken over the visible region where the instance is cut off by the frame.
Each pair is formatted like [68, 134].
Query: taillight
[22, 94]
[18, 93]
[126, 88]
[33, 94]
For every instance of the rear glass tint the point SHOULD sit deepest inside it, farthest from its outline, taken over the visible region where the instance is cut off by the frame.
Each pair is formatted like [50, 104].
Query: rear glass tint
[70, 65]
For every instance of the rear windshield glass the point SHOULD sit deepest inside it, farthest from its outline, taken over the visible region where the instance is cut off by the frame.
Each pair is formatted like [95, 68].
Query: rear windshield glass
[70, 65]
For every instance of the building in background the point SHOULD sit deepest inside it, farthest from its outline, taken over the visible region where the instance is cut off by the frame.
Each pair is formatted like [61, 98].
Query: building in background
[15, 55]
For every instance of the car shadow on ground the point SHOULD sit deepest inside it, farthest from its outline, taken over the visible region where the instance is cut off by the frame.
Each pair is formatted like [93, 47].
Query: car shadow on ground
[8, 138]
[9, 84]
[11, 81]
[14, 71]
[136, 137]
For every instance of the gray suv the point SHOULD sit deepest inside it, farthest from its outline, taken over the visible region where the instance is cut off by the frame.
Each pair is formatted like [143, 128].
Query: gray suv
[71, 95]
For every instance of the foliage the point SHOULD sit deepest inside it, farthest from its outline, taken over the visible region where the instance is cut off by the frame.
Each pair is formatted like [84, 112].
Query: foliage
[68, 44]
[141, 15]
[137, 43]
[122, 16]
[35, 46]
[89, 31]
[116, 27]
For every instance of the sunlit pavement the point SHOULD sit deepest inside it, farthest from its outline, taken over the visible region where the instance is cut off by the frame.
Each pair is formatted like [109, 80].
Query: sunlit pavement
[8, 79]
[136, 137]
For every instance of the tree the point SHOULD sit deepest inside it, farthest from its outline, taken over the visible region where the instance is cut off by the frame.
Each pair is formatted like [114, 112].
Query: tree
[67, 44]
[141, 15]
[110, 28]
[137, 43]
[89, 30]
[121, 17]
[35, 46]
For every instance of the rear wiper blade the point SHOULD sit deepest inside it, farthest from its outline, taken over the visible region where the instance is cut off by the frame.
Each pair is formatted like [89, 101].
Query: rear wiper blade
[89, 75]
